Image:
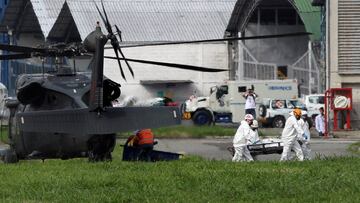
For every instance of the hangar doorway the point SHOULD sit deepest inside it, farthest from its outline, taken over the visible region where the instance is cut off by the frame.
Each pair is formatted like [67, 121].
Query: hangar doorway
[279, 58]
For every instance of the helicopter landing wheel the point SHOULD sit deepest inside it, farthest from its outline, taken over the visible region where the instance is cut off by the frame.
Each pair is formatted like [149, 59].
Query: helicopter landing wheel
[100, 148]
[10, 156]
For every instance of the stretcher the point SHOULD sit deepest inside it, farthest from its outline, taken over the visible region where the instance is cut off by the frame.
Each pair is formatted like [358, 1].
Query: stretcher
[265, 146]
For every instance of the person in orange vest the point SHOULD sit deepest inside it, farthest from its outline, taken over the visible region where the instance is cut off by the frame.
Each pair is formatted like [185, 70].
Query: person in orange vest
[143, 140]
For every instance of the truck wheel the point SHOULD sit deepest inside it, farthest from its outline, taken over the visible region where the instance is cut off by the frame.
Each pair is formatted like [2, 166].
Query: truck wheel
[202, 117]
[262, 110]
[278, 122]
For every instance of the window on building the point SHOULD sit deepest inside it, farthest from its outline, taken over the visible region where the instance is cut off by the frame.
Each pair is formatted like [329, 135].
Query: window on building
[267, 16]
[282, 72]
[286, 17]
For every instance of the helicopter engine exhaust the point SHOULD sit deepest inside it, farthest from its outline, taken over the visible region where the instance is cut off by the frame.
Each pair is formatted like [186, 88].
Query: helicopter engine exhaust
[111, 91]
[32, 93]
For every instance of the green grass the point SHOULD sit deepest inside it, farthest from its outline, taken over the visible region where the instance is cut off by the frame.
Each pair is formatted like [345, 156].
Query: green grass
[4, 134]
[201, 132]
[355, 148]
[189, 132]
[191, 179]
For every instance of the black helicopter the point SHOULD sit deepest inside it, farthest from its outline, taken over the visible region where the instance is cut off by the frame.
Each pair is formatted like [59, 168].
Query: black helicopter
[69, 114]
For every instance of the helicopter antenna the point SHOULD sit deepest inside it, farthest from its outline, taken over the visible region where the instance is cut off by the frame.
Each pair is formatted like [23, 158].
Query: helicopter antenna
[57, 64]
[43, 66]
[74, 62]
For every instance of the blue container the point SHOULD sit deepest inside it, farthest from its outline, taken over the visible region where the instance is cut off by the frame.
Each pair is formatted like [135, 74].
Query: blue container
[132, 154]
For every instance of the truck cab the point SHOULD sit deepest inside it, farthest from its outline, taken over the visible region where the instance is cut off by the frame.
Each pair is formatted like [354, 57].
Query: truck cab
[313, 103]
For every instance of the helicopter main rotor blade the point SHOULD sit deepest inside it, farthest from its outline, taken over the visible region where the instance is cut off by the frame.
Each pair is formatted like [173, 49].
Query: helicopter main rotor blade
[220, 40]
[113, 39]
[15, 48]
[118, 60]
[107, 19]
[15, 56]
[104, 19]
[122, 54]
[173, 65]
[118, 32]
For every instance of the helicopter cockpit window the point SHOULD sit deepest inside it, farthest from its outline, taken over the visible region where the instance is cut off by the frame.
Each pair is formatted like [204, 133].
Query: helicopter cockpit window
[81, 64]
[65, 65]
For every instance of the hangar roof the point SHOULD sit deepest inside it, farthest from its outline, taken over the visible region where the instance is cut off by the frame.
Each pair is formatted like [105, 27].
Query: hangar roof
[151, 20]
[142, 20]
[31, 16]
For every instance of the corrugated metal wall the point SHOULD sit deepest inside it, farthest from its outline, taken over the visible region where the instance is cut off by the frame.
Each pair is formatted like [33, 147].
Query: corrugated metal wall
[349, 36]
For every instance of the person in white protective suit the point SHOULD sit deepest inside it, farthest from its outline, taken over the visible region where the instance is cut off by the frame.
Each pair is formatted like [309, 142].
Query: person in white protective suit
[304, 139]
[242, 137]
[255, 138]
[289, 136]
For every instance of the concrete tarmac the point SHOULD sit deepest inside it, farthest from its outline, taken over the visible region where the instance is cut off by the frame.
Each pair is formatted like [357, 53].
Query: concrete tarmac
[216, 148]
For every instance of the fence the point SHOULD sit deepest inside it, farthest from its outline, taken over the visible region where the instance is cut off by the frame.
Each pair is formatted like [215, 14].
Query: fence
[305, 70]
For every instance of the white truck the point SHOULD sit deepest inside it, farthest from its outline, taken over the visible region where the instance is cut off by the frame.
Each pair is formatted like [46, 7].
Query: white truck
[313, 103]
[274, 112]
[226, 103]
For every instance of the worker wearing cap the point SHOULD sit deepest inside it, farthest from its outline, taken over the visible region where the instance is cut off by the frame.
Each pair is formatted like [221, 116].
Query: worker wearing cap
[241, 139]
[289, 136]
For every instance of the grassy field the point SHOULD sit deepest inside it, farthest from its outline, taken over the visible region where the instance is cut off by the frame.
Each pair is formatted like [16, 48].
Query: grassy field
[4, 134]
[191, 179]
[355, 148]
[201, 132]
[189, 132]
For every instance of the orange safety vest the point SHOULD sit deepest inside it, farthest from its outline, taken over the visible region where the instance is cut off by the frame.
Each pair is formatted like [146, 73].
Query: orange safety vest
[145, 137]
